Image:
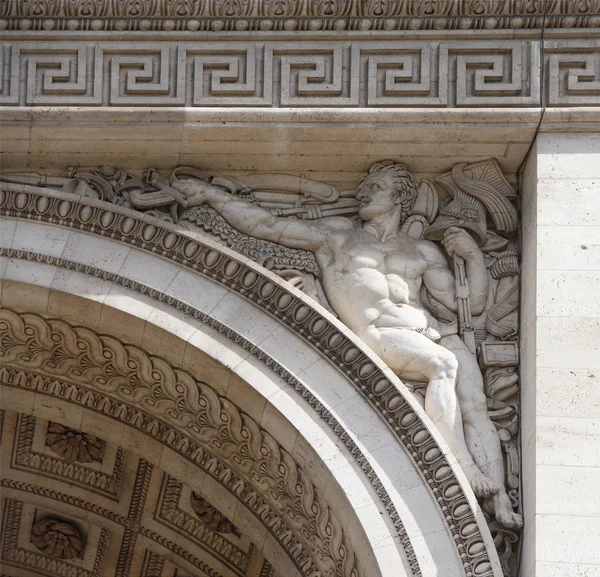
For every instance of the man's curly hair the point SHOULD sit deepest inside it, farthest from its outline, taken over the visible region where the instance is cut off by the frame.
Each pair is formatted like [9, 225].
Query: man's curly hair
[405, 189]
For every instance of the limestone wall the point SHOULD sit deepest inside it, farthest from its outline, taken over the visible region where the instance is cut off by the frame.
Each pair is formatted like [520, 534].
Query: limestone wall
[560, 356]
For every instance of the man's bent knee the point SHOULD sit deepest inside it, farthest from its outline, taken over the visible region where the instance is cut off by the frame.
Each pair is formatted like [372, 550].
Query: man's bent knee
[444, 362]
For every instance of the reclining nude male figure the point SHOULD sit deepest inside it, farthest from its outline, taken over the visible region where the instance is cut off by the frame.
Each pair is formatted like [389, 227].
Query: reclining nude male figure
[372, 275]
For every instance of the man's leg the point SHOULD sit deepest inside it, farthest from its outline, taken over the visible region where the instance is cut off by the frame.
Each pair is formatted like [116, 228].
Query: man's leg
[413, 356]
[481, 436]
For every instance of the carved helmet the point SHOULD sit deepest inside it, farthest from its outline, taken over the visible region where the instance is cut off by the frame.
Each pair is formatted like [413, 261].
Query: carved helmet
[463, 211]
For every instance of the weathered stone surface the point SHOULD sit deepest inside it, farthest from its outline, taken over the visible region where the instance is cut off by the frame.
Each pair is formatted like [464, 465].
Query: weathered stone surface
[288, 16]
[560, 355]
[502, 72]
[286, 104]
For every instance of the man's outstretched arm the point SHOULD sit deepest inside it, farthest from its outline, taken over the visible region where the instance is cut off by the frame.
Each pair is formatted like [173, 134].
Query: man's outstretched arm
[252, 219]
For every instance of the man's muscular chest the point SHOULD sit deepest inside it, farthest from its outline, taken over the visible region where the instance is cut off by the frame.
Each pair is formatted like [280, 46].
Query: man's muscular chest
[395, 256]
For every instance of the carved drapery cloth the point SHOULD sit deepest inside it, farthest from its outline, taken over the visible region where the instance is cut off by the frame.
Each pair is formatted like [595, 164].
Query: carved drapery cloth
[65, 209]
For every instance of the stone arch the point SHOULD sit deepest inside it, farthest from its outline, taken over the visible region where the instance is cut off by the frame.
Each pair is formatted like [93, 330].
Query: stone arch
[96, 372]
[376, 390]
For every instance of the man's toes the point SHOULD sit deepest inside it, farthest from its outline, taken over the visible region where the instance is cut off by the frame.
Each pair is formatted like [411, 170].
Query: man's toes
[516, 521]
[478, 488]
[509, 519]
[488, 488]
[484, 490]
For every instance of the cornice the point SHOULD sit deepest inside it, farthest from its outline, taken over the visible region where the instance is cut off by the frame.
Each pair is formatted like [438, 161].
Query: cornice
[570, 118]
[288, 16]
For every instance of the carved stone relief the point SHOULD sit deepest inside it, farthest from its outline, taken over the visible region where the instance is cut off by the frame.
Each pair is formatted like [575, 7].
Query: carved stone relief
[33, 454]
[218, 447]
[363, 75]
[60, 533]
[163, 198]
[206, 526]
[211, 517]
[316, 213]
[291, 15]
[73, 446]
[57, 538]
[35, 539]
[388, 282]
[503, 72]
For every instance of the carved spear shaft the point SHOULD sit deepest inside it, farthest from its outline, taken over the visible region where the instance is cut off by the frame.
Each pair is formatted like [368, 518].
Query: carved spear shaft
[465, 320]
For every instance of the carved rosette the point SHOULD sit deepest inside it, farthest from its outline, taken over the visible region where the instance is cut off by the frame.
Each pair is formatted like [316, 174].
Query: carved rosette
[73, 446]
[210, 516]
[57, 539]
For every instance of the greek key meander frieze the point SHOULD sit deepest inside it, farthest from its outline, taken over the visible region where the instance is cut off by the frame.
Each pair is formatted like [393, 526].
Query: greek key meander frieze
[494, 73]
[378, 391]
[291, 15]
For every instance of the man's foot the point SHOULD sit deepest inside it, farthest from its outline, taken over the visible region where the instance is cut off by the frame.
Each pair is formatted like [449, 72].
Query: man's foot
[504, 512]
[481, 485]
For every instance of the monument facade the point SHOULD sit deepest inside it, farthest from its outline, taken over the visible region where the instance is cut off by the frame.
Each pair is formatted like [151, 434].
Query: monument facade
[296, 288]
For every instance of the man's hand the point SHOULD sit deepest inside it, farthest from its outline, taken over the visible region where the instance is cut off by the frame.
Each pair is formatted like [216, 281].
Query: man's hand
[459, 242]
[196, 192]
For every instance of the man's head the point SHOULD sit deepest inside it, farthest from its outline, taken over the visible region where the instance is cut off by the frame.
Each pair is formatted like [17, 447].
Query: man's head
[386, 187]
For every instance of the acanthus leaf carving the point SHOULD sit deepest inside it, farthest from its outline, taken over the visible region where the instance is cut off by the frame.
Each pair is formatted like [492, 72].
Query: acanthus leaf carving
[184, 400]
